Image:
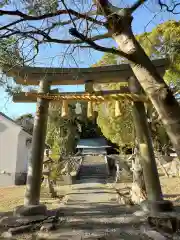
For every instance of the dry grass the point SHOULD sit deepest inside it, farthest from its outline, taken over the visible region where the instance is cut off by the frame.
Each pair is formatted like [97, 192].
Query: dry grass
[170, 188]
[10, 197]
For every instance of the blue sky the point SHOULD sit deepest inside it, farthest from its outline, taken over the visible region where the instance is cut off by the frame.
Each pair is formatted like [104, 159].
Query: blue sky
[145, 18]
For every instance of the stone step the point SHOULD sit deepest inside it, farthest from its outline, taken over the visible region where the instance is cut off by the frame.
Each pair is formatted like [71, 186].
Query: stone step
[96, 177]
[93, 167]
[93, 173]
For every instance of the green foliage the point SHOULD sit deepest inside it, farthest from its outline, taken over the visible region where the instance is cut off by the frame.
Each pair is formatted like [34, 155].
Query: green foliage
[88, 127]
[60, 130]
[63, 133]
[25, 116]
[26, 121]
[3, 3]
[164, 41]
[9, 53]
[40, 7]
[107, 59]
[12, 89]
[119, 130]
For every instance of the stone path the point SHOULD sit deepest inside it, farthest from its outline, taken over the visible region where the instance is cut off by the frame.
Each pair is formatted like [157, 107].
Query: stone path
[92, 211]
[93, 169]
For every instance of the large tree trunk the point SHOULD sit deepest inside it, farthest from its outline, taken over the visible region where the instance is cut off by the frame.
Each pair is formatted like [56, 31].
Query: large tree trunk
[146, 73]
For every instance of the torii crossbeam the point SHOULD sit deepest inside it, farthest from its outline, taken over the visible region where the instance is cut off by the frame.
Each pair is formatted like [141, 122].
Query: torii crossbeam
[76, 76]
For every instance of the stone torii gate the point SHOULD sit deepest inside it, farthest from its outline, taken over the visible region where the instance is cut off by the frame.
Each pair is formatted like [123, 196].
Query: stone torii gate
[45, 77]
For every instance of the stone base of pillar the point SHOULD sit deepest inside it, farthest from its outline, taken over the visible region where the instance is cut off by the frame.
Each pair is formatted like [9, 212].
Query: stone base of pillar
[30, 210]
[154, 207]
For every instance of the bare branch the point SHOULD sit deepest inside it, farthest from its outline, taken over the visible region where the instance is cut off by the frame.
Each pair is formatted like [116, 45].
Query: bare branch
[68, 13]
[106, 8]
[11, 24]
[95, 46]
[48, 38]
[169, 9]
[26, 17]
[59, 23]
[136, 5]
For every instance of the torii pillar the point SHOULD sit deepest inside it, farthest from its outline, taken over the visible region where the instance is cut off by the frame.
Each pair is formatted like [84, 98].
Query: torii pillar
[155, 202]
[32, 204]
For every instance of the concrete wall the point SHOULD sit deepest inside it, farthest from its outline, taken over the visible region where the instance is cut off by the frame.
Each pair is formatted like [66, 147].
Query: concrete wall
[8, 151]
[23, 154]
[14, 153]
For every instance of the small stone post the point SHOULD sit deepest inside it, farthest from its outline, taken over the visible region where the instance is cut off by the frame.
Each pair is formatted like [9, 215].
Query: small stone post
[155, 199]
[35, 165]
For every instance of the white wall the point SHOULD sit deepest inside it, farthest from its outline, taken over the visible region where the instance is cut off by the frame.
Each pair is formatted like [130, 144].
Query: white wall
[23, 152]
[8, 147]
[8, 151]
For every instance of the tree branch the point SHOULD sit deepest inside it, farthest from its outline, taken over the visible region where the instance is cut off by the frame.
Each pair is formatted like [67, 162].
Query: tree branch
[75, 33]
[68, 13]
[136, 5]
[63, 23]
[168, 9]
[106, 8]
[11, 24]
[48, 38]
[26, 17]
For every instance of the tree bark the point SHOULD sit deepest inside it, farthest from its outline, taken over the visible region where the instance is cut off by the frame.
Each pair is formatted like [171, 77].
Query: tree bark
[153, 84]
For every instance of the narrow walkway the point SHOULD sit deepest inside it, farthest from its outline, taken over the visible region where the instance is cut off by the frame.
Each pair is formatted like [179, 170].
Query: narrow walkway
[92, 209]
[93, 169]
